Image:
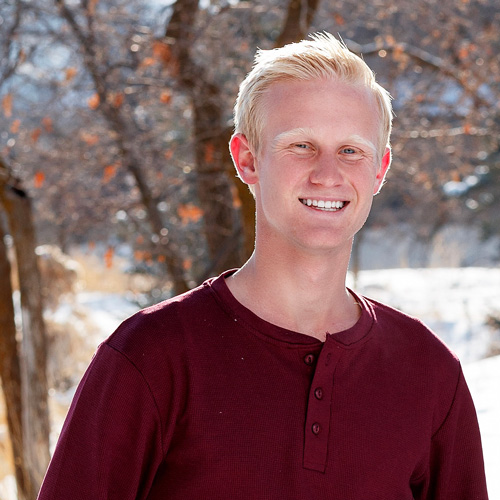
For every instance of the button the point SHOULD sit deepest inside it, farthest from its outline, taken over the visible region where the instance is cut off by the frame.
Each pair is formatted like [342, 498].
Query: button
[318, 393]
[316, 428]
[328, 359]
[309, 359]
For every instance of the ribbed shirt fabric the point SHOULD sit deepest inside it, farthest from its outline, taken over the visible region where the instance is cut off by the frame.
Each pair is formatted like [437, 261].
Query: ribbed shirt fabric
[197, 398]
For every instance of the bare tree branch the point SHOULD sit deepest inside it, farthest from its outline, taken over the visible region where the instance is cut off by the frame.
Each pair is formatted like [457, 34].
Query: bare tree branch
[10, 64]
[117, 123]
[422, 57]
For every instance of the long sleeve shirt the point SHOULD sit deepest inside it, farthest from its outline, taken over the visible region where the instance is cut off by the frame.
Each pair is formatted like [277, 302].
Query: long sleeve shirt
[199, 398]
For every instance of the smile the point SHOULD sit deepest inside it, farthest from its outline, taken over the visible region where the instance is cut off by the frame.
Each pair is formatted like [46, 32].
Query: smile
[328, 206]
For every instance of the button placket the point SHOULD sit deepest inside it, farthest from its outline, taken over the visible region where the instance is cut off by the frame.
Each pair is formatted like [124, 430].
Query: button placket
[317, 429]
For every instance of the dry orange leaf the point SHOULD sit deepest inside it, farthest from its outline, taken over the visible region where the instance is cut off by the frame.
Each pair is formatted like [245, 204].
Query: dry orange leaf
[390, 40]
[69, 74]
[108, 257]
[463, 53]
[14, 128]
[94, 101]
[162, 52]
[189, 213]
[339, 19]
[209, 153]
[39, 179]
[90, 139]
[47, 124]
[236, 197]
[118, 100]
[165, 97]
[7, 105]
[148, 61]
[398, 53]
[109, 172]
[35, 135]
[174, 181]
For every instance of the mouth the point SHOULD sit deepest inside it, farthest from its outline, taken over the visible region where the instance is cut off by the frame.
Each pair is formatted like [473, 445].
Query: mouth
[326, 206]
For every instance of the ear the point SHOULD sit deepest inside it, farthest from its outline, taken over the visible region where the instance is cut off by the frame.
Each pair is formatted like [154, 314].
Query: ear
[243, 158]
[382, 171]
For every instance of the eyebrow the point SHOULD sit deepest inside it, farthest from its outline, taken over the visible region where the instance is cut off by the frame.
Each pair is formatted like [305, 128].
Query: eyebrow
[292, 133]
[362, 140]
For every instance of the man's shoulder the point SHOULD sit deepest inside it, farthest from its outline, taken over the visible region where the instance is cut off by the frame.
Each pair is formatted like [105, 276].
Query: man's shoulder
[161, 326]
[407, 332]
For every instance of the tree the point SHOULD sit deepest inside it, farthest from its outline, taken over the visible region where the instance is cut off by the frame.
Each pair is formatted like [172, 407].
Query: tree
[109, 103]
[10, 372]
[25, 387]
[22, 371]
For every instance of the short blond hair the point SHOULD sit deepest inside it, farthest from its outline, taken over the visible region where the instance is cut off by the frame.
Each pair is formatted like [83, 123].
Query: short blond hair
[323, 56]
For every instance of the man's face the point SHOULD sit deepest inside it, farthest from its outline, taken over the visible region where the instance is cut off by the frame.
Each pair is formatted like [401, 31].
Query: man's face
[318, 166]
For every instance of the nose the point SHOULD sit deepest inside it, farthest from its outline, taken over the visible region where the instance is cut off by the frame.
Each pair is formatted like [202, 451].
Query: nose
[326, 171]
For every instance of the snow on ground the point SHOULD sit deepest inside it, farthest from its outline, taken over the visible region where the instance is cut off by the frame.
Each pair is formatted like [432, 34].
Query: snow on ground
[453, 302]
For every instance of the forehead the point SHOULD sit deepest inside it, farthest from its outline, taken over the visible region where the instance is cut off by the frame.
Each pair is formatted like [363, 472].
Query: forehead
[320, 106]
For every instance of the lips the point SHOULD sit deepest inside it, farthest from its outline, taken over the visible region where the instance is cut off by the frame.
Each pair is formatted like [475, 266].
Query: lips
[328, 206]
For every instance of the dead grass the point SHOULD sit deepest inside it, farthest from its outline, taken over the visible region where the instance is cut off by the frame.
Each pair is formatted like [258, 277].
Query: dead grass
[98, 277]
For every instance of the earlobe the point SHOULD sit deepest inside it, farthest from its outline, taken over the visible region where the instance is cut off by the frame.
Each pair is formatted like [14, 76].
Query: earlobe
[243, 158]
[382, 171]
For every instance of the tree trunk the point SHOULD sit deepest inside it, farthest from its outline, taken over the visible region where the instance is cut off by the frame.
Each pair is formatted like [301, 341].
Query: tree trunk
[217, 193]
[10, 372]
[299, 16]
[35, 415]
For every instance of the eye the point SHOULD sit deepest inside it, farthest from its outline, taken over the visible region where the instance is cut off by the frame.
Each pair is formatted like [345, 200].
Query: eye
[348, 151]
[301, 146]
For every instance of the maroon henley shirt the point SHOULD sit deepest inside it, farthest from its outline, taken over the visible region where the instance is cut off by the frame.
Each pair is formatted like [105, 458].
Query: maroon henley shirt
[197, 398]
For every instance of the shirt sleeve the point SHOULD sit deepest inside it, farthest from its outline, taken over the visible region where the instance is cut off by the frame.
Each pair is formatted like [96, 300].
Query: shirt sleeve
[111, 445]
[456, 466]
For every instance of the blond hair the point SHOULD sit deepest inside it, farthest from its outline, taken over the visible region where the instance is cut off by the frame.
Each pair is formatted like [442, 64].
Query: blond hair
[321, 57]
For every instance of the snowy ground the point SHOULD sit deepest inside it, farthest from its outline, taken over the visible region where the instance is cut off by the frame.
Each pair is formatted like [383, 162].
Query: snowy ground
[453, 302]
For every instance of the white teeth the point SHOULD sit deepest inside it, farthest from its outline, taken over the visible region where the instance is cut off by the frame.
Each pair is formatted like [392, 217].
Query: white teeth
[331, 206]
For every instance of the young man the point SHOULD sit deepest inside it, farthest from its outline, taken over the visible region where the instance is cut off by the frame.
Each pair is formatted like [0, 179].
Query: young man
[275, 381]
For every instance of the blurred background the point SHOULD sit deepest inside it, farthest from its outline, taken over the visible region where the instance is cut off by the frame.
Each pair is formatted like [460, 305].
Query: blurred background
[117, 189]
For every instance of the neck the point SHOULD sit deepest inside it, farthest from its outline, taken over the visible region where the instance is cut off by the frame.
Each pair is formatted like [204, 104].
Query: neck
[300, 291]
